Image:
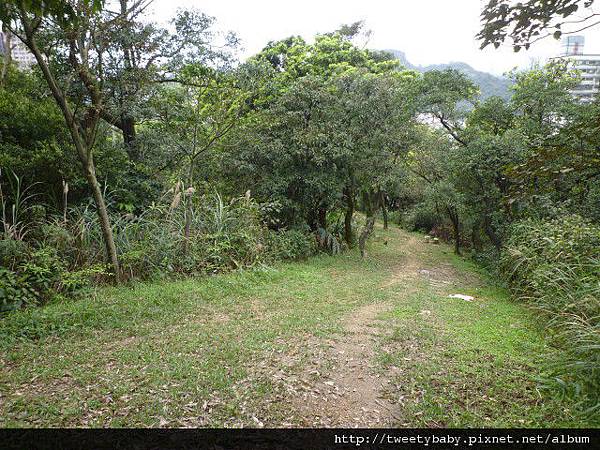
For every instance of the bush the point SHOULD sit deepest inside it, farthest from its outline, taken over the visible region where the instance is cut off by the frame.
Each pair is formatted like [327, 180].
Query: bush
[223, 236]
[420, 218]
[12, 252]
[290, 244]
[15, 292]
[554, 265]
[64, 257]
[395, 216]
[35, 280]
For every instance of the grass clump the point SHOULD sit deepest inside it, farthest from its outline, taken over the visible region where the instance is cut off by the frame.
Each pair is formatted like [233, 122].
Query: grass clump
[554, 266]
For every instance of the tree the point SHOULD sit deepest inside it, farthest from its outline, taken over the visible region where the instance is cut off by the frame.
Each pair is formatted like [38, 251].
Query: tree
[542, 99]
[430, 159]
[34, 142]
[288, 153]
[195, 116]
[561, 163]
[310, 145]
[293, 58]
[138, 56]
[443, 96]
[529, 21]
[81, 108]
[375, 114]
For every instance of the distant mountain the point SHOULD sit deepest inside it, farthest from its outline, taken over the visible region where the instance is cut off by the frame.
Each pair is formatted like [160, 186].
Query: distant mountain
[488, 84]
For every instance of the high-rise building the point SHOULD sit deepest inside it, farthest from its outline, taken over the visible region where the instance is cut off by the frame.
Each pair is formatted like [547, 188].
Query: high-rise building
[19, 53]
[587, 64]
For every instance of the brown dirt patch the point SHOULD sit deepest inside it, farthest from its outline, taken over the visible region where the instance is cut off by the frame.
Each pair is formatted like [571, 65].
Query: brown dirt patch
[342, 388]
[351, 394]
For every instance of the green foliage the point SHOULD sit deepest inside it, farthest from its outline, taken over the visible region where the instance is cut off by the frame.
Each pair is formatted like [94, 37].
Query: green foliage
[14, 291]
[420, 218]
[12, 252]
[529, 21]
[224, 236]
[522, 176]
[34, 280]
[34, 141]
[554, 266]
[311, 132]
[290, 244]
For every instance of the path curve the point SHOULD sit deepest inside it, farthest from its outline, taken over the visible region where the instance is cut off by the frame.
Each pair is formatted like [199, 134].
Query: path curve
[353, 393]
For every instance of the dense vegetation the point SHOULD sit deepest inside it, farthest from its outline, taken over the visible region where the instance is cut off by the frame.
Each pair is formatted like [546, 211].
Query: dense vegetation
[133, 152]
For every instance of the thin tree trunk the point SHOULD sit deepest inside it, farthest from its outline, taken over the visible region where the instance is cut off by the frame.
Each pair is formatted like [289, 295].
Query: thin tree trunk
[455, 229]
[365, 233]
[323, 217]
[491, 233]
[7, 56]
[84, 150]
[129, 138]
[188, 210]
[370, 211]
[384, 211]
[107, 234]
[187, 232]
[350, 205]
[476, 236]
[65, 200]
[127, 120]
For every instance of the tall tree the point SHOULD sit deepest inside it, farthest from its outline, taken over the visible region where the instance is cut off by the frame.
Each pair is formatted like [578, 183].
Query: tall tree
[72, 24]
[138, 55]
[375, 116]
[194, 117]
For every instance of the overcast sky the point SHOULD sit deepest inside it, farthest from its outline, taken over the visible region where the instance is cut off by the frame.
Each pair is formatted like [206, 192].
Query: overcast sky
[428, 31]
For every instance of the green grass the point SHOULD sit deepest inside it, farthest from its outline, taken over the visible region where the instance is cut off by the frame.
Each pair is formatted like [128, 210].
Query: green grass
[202, 352]
[479, 363]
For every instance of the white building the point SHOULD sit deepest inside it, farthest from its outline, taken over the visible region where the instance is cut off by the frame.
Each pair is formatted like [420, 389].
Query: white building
[18, 52]
[587, 64]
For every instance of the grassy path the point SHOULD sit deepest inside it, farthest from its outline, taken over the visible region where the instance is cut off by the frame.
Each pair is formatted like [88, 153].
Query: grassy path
[329, 341]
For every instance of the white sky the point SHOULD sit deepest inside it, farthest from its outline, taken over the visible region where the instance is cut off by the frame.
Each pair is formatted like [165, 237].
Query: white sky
[428, 31]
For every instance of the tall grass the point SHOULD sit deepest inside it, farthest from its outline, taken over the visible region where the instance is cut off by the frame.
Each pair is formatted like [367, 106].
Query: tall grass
[60, 255]
[554, 265]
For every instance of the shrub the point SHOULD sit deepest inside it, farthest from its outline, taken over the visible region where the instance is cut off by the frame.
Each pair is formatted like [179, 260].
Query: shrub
[223, 236]
[420, 218]
[58, 236]
[12, 252]
[15, 292]
[554, 265]
[290, 244]
[77, 282]
[62, 258]
[35, 280]
[395, 216]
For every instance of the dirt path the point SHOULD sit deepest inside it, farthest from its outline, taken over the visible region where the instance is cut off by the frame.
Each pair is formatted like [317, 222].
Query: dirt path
[353, 392]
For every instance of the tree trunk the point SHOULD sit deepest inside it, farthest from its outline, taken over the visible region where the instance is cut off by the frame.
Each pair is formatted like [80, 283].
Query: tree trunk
[129, 138]
[350, 205]
[491, 233]
[382, 204]
[365, 233]
[107, 234]
[84, 149]
[476, 236]
[65, 199]
[455, 229]
[7, 56]
[370, 210]
[323, 217]
[187, 232]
